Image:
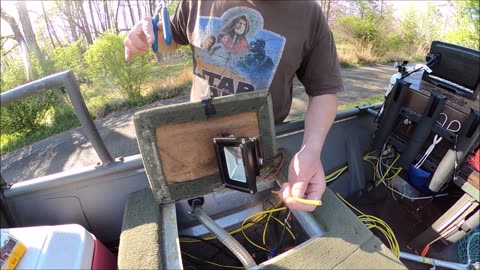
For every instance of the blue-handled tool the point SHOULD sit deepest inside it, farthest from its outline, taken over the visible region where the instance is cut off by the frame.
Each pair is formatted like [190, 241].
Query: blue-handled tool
[162, 12]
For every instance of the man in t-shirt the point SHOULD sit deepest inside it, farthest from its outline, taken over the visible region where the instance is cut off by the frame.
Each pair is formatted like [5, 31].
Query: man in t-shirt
[285, 38]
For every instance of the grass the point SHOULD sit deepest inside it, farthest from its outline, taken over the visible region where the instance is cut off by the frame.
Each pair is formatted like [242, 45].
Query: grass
[351, 56]
[168, 80]
[371, 100]
[15, 141]
[367, 101]
[355, 56]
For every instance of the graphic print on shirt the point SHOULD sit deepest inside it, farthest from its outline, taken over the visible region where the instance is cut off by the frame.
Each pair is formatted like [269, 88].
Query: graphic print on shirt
[234, 54]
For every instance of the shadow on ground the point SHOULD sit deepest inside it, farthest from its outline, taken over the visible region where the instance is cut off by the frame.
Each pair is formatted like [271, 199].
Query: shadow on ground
[71, 149]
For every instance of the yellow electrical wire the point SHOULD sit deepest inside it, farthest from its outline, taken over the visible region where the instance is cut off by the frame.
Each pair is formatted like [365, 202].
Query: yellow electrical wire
[336, 172]
[264, 241]
[388, 170]
[281, 223]
[340, 171]
[369, 159]
[256, 214]
[309, 202]
[372, 221]
[369, 153]
[377, 223]
[256, 217]
[275, 204]
[211, 263]
[304, 201]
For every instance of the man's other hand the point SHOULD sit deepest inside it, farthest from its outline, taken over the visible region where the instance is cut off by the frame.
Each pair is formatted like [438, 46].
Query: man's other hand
[139, 39]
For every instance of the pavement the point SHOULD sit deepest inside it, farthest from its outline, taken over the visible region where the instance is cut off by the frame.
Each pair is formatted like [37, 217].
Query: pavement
[72, 149]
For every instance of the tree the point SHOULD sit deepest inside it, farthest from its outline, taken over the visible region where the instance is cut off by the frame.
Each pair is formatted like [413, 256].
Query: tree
[99, 14]
[66, 8]
[326, 7]
[18, 36]
[130, 11]
[139, 11]
[32, 44]
[107, 66]
[117, 30]
[50, 29]
[106, 14]
[428, 26]
[84, 22]
[151, 6]
[465, 29]
[95, 31]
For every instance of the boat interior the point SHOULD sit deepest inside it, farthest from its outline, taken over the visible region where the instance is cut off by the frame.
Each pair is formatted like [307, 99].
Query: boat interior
[402, 187]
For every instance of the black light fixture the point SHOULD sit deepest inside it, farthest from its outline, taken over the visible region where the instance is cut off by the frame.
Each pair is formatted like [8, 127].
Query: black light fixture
[238, 162]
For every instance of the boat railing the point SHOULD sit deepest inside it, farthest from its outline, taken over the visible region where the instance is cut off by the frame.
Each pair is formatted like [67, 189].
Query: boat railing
[67, 80]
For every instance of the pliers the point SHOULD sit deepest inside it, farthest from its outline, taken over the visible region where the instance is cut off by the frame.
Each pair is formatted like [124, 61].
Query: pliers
[162, 13]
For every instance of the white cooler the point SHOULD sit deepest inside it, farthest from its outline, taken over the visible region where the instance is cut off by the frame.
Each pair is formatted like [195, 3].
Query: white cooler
[61, 247]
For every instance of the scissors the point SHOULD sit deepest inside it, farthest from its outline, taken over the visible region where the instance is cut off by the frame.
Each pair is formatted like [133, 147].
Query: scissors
[167, 31]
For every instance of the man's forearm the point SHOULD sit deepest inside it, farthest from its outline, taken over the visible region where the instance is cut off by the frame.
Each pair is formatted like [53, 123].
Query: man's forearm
[319, 118]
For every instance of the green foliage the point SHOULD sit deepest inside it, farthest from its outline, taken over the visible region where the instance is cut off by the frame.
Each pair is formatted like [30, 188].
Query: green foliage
[370, 33]
[13, 74]
[43, 67]
[368, 101]
[428, 24]
[10, 142]
[466, 30]
[26, 115]
[358, 29]
[106, 65]
[70, 58]
[121, 105]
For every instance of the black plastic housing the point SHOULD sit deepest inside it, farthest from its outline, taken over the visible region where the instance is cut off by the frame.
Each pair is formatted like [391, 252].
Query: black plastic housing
[249, 148]
[392, 107]
[435, 106]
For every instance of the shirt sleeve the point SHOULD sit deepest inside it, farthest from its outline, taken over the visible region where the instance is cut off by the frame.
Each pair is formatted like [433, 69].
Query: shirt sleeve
[179, 23]
[320, 68]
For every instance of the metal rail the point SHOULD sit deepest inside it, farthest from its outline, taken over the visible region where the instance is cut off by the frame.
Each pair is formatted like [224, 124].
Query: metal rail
[63, 79]
[299, 125]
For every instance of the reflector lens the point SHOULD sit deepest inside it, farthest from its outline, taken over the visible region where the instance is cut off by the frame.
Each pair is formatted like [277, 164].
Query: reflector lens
[233, 157]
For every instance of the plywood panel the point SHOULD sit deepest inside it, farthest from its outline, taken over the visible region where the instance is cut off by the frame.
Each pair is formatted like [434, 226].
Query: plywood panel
[186, 150]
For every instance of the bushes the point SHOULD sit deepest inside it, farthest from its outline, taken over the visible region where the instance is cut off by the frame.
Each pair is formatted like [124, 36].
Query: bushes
[70, 58]
[23, 116]
[106, 65]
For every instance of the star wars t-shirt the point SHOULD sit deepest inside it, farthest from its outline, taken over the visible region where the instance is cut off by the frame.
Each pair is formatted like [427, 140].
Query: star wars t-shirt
[243, 46]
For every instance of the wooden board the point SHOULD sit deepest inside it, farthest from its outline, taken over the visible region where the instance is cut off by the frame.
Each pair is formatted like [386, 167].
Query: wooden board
[187, 151]
[176, 141]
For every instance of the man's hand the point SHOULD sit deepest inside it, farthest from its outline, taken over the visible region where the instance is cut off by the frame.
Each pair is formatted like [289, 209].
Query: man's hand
[139, 39]
[306, 179]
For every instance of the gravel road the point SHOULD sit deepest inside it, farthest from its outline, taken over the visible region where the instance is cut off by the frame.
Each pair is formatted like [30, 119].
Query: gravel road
[71, 149]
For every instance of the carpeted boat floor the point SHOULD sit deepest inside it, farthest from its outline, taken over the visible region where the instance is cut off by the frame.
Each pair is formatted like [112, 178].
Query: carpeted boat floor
[408, 219]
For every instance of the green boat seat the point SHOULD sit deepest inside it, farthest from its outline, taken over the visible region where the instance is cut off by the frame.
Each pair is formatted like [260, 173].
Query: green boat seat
[347, 243]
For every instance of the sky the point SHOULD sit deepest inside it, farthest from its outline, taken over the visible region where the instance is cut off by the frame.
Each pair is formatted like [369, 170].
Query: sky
[35, 9]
